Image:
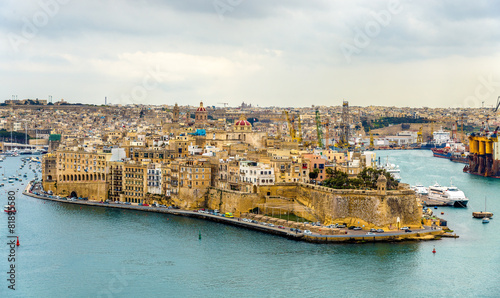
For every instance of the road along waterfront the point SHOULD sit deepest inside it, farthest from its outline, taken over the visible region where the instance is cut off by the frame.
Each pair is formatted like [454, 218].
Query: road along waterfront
[426, 233]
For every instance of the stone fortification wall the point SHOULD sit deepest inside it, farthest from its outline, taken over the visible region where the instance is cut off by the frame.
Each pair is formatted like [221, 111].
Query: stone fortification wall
[232, 201]
[96, 191]
[327, 205]
[372, 208]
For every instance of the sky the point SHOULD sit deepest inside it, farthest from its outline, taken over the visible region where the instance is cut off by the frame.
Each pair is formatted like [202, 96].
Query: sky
[268, 53]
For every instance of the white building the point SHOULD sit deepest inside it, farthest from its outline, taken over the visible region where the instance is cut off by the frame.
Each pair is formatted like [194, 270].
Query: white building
[154, 181]
[17, 126]
[195, 150]
[256, 173]
[210, 150]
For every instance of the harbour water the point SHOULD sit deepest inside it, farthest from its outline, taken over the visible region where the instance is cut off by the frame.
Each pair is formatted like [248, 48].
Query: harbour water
[76, 251]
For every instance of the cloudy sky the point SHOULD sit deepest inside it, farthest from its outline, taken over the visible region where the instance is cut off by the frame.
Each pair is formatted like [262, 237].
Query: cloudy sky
[265, 52]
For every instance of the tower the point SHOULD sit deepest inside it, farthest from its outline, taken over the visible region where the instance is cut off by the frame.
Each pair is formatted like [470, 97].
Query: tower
[382, 185]
[175, 116]
[344, 126]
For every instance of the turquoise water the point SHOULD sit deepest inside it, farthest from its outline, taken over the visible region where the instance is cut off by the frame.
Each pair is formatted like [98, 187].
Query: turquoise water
[73, 251]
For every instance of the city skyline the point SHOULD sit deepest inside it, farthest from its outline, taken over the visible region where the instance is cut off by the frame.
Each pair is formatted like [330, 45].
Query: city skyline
[265, 53]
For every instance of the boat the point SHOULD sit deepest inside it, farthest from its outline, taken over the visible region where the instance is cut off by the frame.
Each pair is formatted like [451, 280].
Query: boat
[391, 169]
[448, 195]
[419, 189]
[486, 220]
[461, 157]
[9, 209]
[442, 152]
[483, 214]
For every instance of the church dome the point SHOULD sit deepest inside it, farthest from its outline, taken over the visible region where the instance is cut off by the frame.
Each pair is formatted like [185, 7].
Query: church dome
[243, 123]
[201, 108]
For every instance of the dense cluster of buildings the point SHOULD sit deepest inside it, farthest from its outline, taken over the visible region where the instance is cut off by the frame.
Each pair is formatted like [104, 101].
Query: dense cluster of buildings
[142, 153]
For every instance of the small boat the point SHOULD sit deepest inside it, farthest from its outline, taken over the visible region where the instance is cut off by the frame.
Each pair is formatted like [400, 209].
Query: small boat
[483, 214]
[9, 208]
[486, 220]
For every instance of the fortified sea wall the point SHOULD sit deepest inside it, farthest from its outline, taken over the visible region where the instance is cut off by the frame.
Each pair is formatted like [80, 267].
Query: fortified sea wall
[369, 207]
[377, 208]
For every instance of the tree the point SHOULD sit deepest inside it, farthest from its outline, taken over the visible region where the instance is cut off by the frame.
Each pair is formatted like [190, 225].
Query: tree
[314, 174]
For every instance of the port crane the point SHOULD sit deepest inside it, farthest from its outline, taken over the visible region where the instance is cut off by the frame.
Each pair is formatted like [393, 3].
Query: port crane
[319, 130]
[291, 128]
[498, 105]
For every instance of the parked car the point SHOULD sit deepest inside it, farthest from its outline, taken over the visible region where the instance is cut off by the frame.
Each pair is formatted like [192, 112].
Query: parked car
[307, 232]
[373, 230]
[370, 233]
[128, 203]
[405, 228]
[380, 231]
[351, 227]
[357, 228]
[408, 231]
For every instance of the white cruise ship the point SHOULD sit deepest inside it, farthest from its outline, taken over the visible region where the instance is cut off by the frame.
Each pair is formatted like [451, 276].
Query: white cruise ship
[391, 169]
[419, 189]
[449, 195]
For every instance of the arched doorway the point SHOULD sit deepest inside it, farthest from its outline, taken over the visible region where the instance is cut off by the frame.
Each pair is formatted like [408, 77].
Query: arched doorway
[73, 194]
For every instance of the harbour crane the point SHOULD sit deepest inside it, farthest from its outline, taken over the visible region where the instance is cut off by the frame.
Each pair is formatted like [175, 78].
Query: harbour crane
[498, 104]
[319, 130]
[290, 126]
[300, 130]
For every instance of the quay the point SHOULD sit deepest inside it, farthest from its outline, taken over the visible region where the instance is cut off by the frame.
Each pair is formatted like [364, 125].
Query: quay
[346, 236]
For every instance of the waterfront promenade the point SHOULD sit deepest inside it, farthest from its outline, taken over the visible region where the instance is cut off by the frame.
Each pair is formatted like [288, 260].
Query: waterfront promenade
[346, 236]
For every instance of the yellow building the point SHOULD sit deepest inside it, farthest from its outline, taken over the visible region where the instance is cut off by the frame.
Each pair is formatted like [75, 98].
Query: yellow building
[134, 182]
[195, 174]
[78, 173]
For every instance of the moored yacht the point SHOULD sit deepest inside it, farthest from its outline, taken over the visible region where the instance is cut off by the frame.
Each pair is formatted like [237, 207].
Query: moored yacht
[449, 195]
[391, 169]
[419, 189]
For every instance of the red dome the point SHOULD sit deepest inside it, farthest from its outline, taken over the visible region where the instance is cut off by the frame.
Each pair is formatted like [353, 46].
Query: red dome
[201, 109]
[243, 122]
